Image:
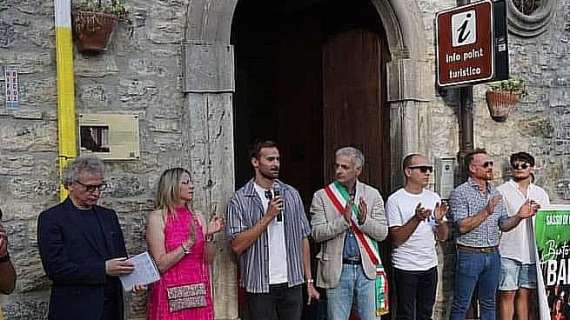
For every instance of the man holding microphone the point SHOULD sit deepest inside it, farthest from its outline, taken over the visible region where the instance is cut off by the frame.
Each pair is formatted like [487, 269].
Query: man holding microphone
[269, 233]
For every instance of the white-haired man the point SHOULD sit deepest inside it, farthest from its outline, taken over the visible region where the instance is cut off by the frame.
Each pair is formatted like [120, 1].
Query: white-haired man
[82, 249]
[347, 219]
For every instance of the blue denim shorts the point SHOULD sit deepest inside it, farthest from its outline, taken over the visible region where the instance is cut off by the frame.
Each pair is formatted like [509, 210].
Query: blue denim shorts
[515, 275]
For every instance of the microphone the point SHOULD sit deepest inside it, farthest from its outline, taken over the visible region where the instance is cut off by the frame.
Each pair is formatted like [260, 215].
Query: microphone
[277, 193]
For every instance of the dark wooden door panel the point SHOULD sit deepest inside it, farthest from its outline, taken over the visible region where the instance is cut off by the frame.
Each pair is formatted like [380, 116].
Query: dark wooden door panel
[352, 101]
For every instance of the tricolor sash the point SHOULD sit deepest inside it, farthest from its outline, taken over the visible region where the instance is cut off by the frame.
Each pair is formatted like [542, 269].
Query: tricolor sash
[339, 197]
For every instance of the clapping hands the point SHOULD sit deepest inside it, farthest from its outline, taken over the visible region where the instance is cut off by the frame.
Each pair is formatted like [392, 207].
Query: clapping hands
[528, 209]
[440, 211]
[422, 213]
[216, 225]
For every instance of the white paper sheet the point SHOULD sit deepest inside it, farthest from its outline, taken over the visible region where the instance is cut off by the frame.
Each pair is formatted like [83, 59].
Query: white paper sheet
[145, 272]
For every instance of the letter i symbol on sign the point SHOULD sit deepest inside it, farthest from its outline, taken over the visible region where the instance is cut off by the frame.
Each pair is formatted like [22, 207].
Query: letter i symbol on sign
[463, 32]
[464, 28]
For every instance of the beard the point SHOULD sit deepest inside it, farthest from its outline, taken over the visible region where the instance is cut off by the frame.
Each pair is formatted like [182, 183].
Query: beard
[270, 174]
[488, 176]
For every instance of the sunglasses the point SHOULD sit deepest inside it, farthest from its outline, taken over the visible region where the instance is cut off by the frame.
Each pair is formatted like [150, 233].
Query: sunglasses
[487, 164]
[93, 187]
[423, 169]
[520, 165]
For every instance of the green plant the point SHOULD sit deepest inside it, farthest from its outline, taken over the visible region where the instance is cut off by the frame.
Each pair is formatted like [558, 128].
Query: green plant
[513, 85]
[116, 7]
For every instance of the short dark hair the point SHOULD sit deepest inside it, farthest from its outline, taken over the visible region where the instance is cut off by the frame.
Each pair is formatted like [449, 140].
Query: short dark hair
[258, 145]
[471, 154]
[408, 160]
[522, 156]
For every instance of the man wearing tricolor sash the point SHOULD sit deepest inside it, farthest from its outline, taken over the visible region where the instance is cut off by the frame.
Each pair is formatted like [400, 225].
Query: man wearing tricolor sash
[415, 221]
[347, 220]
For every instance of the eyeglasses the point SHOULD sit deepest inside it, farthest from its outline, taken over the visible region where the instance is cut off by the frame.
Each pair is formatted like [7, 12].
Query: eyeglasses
[93, 187]
[520, 165]
[423, 169]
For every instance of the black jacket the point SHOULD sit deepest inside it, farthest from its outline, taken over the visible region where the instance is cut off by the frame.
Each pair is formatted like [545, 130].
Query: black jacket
[76, 264]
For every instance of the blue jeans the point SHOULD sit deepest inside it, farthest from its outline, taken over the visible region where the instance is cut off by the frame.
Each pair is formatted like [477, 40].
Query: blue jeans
[353, 286]
[476, 268]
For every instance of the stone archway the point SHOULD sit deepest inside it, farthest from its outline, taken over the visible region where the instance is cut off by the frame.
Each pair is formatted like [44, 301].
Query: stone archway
[208, 66]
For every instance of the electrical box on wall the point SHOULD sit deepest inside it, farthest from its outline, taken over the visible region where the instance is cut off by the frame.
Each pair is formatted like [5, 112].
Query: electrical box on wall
[109, 136]
[444, 176]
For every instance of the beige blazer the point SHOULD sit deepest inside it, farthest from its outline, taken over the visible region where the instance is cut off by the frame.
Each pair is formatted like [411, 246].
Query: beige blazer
[329, 229]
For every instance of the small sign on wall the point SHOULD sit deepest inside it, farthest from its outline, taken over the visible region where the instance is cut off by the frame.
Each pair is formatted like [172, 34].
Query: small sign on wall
[109, 136]
[465, 44]
[12, 88]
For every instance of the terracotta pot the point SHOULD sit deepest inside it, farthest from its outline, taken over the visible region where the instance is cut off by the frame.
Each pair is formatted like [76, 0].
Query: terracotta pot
[500, 103]
[92, 30]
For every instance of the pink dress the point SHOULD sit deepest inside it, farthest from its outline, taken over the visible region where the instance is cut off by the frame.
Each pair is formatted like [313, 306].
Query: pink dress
[191, 269]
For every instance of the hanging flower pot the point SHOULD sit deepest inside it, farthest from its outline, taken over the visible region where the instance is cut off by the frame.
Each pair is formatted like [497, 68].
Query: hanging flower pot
[94, 22]
[503, 96]
[92, 30]
[500, 104]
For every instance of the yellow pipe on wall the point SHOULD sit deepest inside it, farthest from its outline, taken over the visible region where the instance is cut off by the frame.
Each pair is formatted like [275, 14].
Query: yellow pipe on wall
[67, 130]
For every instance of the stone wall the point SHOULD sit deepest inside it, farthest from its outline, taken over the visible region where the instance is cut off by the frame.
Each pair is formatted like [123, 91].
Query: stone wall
[540, 123]
[142, 74]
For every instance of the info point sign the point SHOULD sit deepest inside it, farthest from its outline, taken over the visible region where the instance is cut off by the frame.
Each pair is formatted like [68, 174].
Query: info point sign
[465, 52]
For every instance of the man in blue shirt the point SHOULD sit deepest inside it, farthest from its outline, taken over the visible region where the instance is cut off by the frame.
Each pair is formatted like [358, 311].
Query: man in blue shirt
[478, 211]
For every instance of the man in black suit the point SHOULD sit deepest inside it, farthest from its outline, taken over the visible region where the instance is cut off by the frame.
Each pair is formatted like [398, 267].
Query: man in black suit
[82, 249]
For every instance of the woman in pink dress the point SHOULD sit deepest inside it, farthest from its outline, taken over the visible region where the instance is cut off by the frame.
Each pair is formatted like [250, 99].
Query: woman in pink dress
[178, 240]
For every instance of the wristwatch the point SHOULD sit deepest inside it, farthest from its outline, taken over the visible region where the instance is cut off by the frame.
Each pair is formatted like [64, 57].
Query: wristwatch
[184, 249]
[310, 280]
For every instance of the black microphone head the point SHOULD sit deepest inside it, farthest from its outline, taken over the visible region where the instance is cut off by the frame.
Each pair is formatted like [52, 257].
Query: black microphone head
[268, 194]
[276, 190]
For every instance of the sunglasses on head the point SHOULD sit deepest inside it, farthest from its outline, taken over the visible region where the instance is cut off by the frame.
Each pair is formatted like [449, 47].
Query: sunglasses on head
[520, 165]
[423, 169]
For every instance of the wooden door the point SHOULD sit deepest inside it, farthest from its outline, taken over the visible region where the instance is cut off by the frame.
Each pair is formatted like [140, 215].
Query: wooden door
[353, 102]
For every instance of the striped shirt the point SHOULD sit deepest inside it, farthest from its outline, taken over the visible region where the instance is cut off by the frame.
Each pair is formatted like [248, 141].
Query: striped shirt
[467, 200]
[245, 209]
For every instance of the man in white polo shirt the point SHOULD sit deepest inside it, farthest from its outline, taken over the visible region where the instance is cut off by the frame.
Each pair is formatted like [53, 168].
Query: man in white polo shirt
[415, 220]
[517, 247]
